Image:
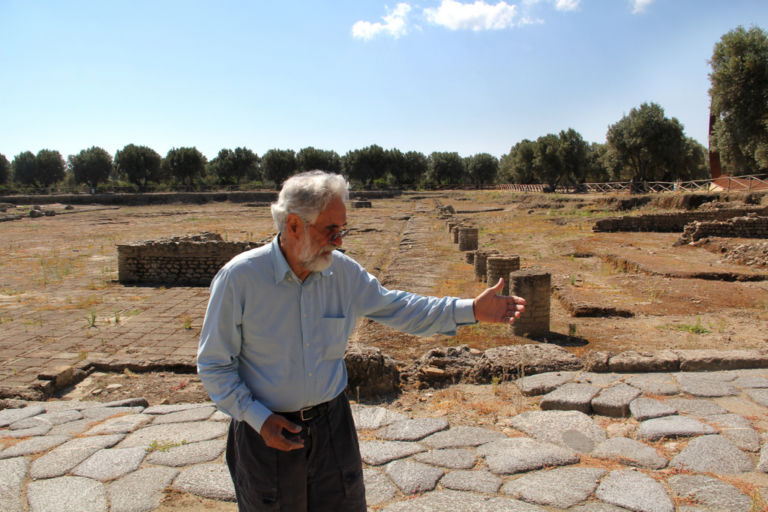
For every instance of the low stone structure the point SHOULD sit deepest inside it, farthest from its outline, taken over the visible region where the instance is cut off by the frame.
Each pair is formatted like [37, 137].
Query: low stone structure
[361, 204]
[468, 238]
[500, 267]
[535, 287]
[187, 260]
[481, 264]
[750, 226]
[670, 222]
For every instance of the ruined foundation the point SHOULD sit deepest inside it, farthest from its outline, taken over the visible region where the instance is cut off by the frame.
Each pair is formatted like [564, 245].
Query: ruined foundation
[481, 264]
[534, 287]
[500, 267]
[190, 260]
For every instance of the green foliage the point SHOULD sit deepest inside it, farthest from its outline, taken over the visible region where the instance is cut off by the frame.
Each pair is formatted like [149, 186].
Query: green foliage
[91, 166]
[366, 165]
[647, 145]
[50, 167]
[138, 164]
[24, 168]
[309, 158]
[5, 170]
[278, 165]
[482, 168]
[739, 95]
[185, 164]
[445, 168]
[231, 167]
[407, 169]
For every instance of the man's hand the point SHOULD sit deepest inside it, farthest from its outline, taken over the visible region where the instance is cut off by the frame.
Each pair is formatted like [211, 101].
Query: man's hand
[272, 433]
[490, 307]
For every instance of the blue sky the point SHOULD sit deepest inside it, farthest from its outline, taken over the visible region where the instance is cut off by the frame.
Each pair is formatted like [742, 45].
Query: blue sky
[435, 75]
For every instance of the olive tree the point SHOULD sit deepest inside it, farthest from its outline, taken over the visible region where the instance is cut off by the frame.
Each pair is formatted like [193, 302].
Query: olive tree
[91, 166]
[138, 164]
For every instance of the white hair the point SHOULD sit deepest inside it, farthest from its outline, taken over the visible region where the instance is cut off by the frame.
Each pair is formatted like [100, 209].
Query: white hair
[307, 194]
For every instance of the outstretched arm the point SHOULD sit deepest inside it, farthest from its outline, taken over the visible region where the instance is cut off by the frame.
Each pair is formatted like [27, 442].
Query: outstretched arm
[490, 307]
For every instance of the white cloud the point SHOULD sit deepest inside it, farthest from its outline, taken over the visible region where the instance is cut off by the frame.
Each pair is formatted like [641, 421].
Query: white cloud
[476, 16]
[639, 6]
[395, 24]
[567, 5]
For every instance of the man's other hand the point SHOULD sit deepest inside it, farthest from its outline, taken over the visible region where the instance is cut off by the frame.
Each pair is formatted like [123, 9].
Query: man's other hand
[490, 307]
[274, 437]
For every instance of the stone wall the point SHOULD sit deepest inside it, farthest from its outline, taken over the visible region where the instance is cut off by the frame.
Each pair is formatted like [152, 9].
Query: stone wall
[189, 260]
[670, 222]
[535, 287]
[750, 226]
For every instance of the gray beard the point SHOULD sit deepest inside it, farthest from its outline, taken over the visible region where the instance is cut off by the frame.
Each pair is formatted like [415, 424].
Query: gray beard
[314, 262]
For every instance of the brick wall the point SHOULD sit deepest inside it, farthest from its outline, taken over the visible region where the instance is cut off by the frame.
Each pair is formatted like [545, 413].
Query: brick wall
[190, 260]
[739, 227]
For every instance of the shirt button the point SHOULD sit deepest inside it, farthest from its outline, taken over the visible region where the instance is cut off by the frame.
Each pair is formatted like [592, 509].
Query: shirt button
[310, 374]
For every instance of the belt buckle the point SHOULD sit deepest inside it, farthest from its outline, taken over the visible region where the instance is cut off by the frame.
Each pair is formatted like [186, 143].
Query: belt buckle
[305, 410]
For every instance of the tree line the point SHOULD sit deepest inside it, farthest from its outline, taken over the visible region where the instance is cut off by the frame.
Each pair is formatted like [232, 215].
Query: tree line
[644, 145]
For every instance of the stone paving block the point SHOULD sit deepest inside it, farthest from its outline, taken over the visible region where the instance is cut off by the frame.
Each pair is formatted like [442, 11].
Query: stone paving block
[175, 434]
[372, 418]
[40, 430]
[109, 464]
[376, 453]
[672, 426]
[751, 381]
[8, 416]
[559, 487]
[598, 379]
[630, 452]
[452, 458]
[72, 428]
[654, 383]
[453, 501]
[704, 385]
[712, 454]
[51, 418]
[193, 453]
[598, 506]
[614, 401]
[695, 406]
[194, 414]
[127, 402]
[570, 397]
[648, 408]
[758, 395]
[413, 430]
[140, 491]
[737, 429]
[220, 416]
[710, 492]
[170, 408]
[120, 424]
[519, 454]
[762, 465]
[207, 480]
[543, 383]
[635, 491]
[378, 487]
[714, 360]
[472, 481]
[68, 455]
[413, 477]
[67, 494]
[33, 445]
[102, 413]
[12, 473]
[572, 429]
[461, 436]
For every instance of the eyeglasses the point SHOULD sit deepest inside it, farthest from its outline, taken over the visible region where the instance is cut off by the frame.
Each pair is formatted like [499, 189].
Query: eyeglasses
[341, 233]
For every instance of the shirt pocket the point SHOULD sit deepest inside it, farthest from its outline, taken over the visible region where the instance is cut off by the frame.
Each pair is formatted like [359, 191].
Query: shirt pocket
[334, 336]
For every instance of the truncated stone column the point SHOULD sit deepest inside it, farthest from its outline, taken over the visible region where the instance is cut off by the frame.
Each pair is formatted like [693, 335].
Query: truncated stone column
[455, 232]
[467, 238]
[534, 286]
[481, 267]
[501, 266]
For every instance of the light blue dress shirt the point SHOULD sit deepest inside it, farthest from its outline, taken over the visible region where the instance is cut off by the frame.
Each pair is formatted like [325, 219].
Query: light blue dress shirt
[272, 343]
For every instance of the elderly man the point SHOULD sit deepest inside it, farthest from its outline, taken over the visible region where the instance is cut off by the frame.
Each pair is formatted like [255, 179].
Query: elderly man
[272, 348]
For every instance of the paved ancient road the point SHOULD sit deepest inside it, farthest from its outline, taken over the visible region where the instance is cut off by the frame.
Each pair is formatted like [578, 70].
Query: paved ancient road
[688, 442]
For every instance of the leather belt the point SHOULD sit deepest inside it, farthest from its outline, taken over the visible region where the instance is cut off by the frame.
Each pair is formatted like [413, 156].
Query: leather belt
[308, 413]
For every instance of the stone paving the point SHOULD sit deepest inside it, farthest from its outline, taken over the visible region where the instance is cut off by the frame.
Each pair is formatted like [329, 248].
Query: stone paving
[593, 443]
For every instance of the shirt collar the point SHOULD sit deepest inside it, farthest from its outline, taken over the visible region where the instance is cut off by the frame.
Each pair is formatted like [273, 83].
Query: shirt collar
[281, 266]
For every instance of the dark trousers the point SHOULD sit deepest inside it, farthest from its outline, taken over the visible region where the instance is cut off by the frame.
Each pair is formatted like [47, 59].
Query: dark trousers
[325, 475]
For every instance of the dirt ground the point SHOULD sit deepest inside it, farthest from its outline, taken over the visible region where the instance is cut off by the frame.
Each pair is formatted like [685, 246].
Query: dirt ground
[611, 291]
